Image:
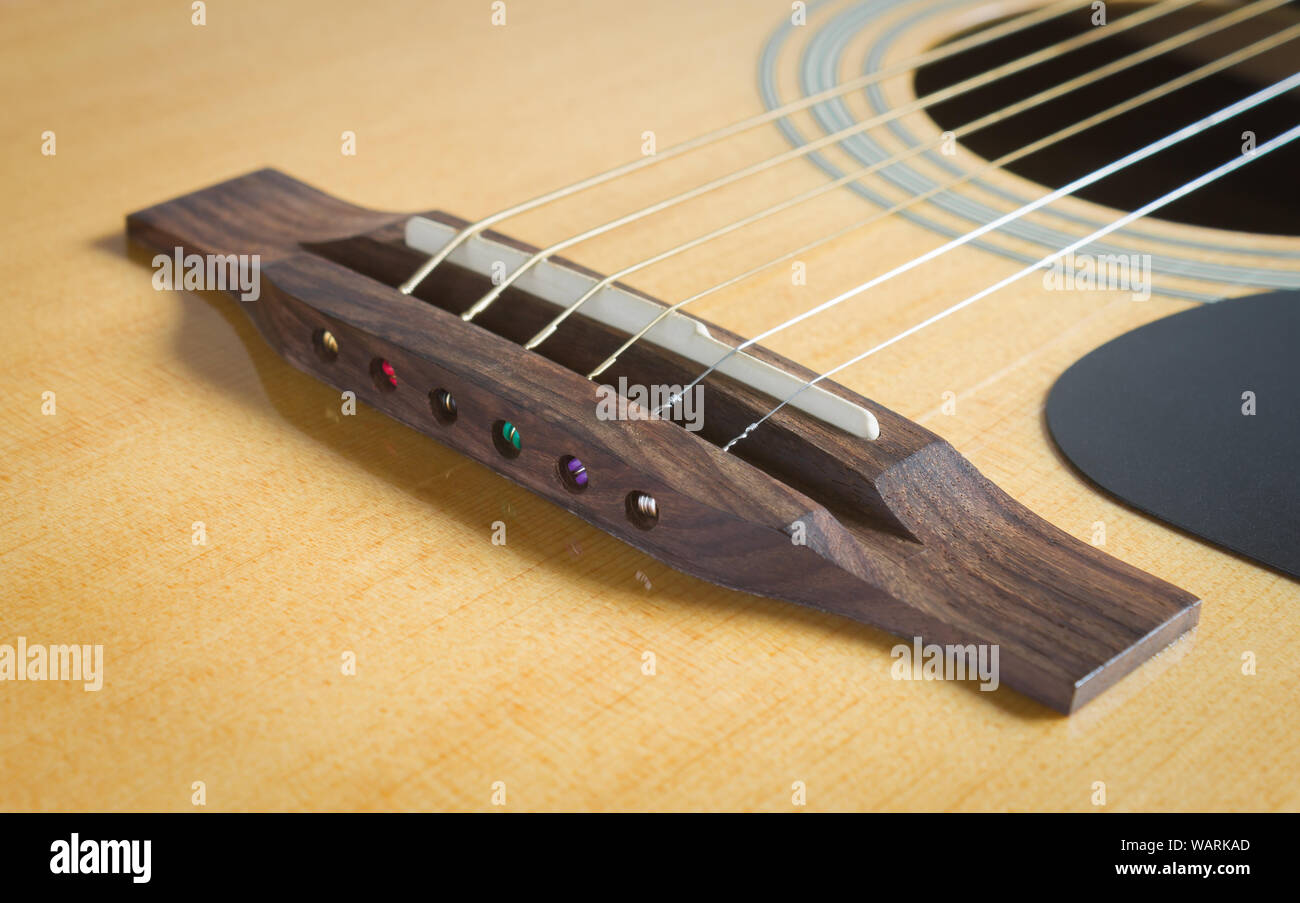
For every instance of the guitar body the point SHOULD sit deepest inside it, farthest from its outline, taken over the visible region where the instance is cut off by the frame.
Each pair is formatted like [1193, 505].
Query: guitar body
[304, 606]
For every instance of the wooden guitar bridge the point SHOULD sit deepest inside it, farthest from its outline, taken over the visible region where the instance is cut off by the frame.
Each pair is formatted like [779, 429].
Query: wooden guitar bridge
[836, 502]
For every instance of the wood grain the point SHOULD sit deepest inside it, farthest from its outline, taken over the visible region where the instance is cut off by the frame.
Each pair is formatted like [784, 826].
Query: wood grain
[519, 663]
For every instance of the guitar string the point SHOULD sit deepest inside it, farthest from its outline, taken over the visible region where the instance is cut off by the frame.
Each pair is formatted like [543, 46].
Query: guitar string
[1014, 66]
[1239, 56]
[1141, 56]
[1154, 147]
[1187, 188]
[1009, 27]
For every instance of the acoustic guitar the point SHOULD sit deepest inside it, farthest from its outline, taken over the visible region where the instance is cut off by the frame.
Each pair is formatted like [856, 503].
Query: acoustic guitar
[618, 407]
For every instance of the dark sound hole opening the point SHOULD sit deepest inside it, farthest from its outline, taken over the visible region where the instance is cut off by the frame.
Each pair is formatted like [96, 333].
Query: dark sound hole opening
[1259, 197]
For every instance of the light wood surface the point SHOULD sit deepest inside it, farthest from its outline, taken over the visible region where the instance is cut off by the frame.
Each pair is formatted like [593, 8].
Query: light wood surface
[518, 663]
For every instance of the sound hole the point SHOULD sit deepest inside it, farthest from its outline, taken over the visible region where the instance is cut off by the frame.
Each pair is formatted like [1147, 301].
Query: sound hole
[1256, 198]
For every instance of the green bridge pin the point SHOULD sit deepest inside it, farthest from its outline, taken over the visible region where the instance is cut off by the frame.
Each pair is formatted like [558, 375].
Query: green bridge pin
[510, 434]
